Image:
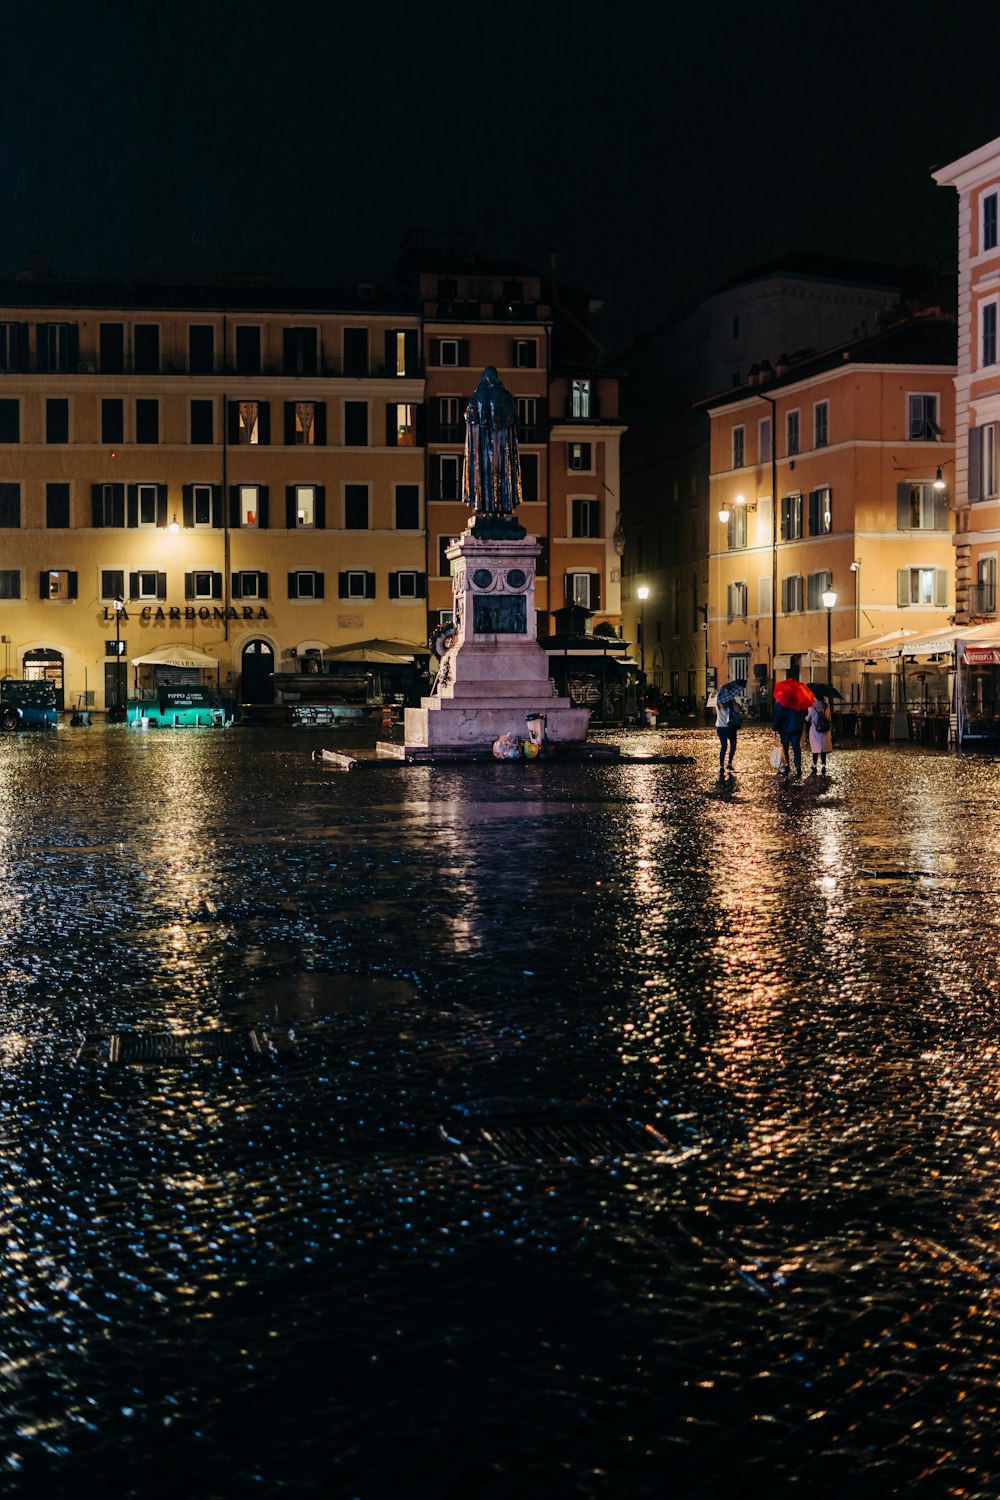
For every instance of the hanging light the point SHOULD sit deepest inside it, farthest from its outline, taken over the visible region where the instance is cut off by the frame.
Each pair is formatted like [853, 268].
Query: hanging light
[939, 483]
[724, 515]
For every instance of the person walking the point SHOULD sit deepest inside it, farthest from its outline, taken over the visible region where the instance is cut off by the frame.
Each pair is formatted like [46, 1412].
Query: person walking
[820, 733]
[787, 725]
[727, 726]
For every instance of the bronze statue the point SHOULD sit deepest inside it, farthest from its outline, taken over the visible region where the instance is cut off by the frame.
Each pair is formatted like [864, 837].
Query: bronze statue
[491, 483]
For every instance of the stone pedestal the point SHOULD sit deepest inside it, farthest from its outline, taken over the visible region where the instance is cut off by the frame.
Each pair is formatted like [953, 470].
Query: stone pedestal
[496, 674]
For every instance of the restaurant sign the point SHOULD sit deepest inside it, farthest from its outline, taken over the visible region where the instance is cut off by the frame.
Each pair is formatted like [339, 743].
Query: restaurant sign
[189, 612]
[982, 656]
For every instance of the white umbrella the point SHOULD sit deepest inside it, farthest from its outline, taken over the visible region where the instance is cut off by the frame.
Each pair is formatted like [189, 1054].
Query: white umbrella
[175, 656]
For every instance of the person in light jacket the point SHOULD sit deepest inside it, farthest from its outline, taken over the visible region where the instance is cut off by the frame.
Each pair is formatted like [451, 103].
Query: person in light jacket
[726, 727]
[820, 739]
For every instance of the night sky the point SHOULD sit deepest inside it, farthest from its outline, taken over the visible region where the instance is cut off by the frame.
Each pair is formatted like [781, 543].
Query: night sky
[659, 152]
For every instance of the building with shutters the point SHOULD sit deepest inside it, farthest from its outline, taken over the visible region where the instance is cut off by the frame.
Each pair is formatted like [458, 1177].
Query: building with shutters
[854, 443]
[250, 469]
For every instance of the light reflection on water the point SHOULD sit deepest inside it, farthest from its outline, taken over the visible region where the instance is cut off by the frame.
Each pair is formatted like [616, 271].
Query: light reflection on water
[253, 1273]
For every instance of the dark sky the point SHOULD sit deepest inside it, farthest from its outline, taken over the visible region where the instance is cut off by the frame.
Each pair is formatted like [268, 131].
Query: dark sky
[659, 151]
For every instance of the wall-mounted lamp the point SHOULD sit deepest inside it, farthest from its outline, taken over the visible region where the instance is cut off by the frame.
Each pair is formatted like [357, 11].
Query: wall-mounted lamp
[724, 515]
[174, 525]
[939, 483]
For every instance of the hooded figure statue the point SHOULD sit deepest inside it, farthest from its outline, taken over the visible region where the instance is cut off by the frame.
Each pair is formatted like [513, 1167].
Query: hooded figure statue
[491, 483]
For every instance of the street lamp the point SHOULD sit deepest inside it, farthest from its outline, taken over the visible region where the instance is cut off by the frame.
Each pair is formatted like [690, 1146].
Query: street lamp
[119, 606]
[856, 570]
[829, 600]
[642, 593]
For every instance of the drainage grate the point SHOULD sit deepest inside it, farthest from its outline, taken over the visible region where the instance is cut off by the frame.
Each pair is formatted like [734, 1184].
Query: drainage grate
[132, 1047]
[568, 1140]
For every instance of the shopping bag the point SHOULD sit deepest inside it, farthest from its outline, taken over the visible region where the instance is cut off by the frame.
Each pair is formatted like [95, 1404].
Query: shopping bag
[778, 756]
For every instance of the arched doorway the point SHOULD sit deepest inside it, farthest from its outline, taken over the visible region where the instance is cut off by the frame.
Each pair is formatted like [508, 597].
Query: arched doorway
[45, 665]
[257, 673]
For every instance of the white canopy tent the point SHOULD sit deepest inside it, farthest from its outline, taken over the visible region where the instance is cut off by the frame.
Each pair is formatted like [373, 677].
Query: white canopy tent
[175, 656]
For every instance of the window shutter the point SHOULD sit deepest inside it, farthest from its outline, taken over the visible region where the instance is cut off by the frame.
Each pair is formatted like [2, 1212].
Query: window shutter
[187, 504]
[902, 586]
[218, 506]
[262, 520]
[71, 585]
[72, 346]
[940, 587]
[319, 424]
[421, 432]
[595, 590]
[161, 585]
[235, 589]
[189, 585]
[390, 351]
[289, 421]
[814, 512]
[293, 585]
[43, 584]
[391, 423]
[234, 505]
[975, 462]
[264, 421]
[233, 423]
[320, 507]
[133, 585]
[393, 585]
[133, 505]
[342, 585]
[784, 517]
[369, 585]
[903, 509]
[421, 585]
[161, 505]
[97, 504]
[216, 585]
[410, 350]
[940, 510]
[261, 585]
[319, 587]
[290, 517]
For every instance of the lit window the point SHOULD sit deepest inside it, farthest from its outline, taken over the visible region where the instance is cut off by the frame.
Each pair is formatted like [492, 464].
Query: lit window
[305, 422]
[249, 505]
[249, 422]
[580, 398]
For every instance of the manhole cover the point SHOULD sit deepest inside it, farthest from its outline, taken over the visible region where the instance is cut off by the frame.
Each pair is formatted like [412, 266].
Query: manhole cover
[132, 1047]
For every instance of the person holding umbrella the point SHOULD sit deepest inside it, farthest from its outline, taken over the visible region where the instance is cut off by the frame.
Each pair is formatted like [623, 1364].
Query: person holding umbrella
[728, 721]
[791, 700]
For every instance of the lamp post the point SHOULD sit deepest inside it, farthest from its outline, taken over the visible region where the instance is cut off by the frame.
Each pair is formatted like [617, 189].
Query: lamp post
[119, 606]
[829, 600]
[856, 570]
[642, 593]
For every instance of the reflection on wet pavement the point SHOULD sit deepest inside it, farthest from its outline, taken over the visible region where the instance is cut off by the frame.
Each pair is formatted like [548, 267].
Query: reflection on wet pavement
[292, 1273]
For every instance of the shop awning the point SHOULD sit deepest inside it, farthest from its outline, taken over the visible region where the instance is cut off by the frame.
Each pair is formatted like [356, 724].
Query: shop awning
[175, 656]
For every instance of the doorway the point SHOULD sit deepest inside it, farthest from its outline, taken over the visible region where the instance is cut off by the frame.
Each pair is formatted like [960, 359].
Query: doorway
[45, 666]
[257, 673]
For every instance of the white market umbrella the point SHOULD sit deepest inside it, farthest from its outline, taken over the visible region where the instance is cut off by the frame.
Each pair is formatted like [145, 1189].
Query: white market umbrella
[175, 656]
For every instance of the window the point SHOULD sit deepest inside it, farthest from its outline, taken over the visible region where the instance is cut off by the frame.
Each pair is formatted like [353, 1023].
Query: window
[444, 561]
[527, 418]
[354, 583]
[201, 505]
[355, 507]
[201, 349]
[791, 594]
[739, 445]
[10, 583]
[407, 584]
[142, 505]
[736, 600]
[450, 476]
[989, 334]
[147, 421]
[401, 424]
[820, 511]
[407, 507]
[927, 586]
[57, 420]
[449, 419]
[526, 354]
[821, 424]
[108, 504]
[818, 584]
[203, 585]
[248, 497]
[247, 350]
[920, 507]
[401, 352]
[791, 517]
[112, 584]
[356, 351]
[792, 432]
[304, 505]
[764, 439]
[356, 424]
[448, 352]
[736, 532]
[580, 456]
[10, 505]
[57, 506]
[248, 422]
[147, 585]
[584, 588]
[990, 221]
[112, 421]
[305, 584]
[586, 519]
[301, 351]
[921, 419]
[529, 476]
[250, 584]
[111, 345]
[984, 601]
[580, 398]
[301, 424]
[10, 421]
[58, 344]
[13, 348]
[202, 422]
[983, 468]
[146, 343]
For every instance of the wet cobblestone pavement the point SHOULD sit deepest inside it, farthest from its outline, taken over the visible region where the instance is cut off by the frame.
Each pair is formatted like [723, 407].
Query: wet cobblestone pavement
[309, 1274]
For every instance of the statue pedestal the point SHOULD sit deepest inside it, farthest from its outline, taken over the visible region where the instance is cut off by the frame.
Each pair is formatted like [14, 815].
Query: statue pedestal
[496, 675]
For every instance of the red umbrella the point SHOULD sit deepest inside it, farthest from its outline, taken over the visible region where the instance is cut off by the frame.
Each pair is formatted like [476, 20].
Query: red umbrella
[793, 694]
